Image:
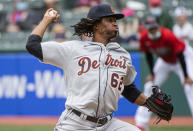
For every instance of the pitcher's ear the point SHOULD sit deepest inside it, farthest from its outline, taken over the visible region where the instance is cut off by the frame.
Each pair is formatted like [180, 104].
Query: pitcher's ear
[95, 27]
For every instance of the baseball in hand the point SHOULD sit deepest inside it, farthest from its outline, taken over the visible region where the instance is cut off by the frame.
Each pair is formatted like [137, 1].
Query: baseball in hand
[51, 13]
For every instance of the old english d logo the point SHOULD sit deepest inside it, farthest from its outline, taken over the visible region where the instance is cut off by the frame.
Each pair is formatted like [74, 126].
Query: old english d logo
[112, 9]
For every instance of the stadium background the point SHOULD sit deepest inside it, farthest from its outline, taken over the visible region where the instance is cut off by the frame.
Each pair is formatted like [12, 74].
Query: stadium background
[30, 88]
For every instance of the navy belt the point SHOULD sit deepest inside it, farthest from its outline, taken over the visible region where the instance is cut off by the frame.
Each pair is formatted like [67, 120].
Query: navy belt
[98, 120]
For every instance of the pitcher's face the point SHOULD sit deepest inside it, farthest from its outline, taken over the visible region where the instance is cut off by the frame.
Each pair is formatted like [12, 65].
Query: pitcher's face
[108, 27]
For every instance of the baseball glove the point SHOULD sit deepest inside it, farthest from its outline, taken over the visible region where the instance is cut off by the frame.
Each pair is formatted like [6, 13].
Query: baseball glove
[160, 104]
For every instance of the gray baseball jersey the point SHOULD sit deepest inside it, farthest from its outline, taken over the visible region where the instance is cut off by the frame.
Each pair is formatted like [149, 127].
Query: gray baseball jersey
[95, 74]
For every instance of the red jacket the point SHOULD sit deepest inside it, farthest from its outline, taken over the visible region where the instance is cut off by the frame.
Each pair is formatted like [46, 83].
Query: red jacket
[167, 46]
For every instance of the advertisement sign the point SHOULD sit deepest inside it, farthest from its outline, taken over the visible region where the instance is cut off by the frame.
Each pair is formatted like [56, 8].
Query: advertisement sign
[31, 88]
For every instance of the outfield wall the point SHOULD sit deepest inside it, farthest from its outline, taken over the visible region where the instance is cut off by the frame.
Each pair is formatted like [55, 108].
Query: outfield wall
[28, 87]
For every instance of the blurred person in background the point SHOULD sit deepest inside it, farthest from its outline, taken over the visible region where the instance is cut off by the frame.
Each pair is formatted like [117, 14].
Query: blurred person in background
[163, 17]
[170, 52]
[21, 18]
[128, 27]
[183, 29]
[2, 20]
[50, 4]
[59, 33]
[85, 5]
[140, 10]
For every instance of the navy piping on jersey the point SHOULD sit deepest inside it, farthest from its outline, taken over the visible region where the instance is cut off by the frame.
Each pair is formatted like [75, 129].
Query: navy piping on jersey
[33, 46]
[99, 82]
[99, 76]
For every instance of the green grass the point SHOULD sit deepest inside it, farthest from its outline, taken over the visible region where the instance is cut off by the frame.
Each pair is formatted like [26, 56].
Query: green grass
[26, 128]
[172, 128]
[51, 128]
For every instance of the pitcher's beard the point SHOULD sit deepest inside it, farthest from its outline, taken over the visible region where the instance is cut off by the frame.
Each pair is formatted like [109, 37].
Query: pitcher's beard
[114, 35]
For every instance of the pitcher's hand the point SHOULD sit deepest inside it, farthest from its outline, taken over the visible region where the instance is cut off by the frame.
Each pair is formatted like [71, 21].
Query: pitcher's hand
[51, 16]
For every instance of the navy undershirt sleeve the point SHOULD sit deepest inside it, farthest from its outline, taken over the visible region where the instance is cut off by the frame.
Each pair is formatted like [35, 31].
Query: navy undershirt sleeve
[131, 93]
[33, 46]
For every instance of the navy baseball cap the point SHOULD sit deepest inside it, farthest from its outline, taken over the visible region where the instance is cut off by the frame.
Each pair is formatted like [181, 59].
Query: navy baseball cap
[103, 10]
[151, 22]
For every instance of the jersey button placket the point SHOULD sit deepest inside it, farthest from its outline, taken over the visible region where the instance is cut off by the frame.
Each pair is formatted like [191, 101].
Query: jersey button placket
[102, 87]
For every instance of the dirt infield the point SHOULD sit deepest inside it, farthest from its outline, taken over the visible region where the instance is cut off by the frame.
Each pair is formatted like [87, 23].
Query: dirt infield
[176, 121]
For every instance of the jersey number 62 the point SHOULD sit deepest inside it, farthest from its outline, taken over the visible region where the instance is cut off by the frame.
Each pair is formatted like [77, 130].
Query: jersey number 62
[116, 81]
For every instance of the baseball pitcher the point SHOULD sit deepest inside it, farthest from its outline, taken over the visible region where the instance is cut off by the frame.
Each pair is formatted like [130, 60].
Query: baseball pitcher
[97, 72]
